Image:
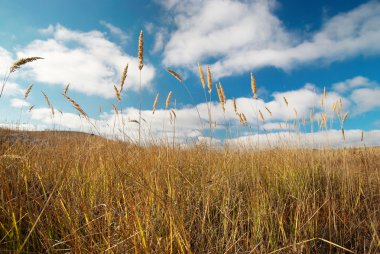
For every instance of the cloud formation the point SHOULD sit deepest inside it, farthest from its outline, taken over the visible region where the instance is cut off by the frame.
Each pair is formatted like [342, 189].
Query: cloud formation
[86, 60]
[19, 103]
[283, 117]
[116, 31]
[244, 35]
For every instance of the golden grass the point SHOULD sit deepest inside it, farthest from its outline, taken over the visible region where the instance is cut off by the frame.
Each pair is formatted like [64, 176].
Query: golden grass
[80, 193]
[72, 192]
[141, 50]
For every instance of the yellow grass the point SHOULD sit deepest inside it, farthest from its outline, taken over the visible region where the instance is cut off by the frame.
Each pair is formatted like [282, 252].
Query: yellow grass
[73, 192]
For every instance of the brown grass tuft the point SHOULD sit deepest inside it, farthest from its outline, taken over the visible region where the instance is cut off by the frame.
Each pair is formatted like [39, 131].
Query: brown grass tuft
[209, 80]
[66, 89]
[28, 91]
[141, 50]
[48, 103]
[155, 103]
[168, 100]
[20, 62]
[202, 76]
[76, 106]
[117, 93]
[123, 77]
[253, 86]
[175, 74]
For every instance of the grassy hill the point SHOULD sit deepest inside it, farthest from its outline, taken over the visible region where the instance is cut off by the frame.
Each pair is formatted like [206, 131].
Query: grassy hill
[75, 192]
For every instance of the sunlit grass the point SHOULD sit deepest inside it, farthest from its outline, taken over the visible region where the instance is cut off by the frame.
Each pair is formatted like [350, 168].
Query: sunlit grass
[80, 193]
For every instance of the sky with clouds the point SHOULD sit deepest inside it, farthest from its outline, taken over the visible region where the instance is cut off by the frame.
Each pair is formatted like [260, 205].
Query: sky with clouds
[294, 48]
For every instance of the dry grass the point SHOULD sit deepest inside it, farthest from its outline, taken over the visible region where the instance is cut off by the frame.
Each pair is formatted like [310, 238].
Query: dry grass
[80, 193]
[72, 192]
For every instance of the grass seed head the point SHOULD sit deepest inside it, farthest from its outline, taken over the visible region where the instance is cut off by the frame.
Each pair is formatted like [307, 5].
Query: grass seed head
[123, 77]
[141, 50]
[202, 76]
[175, 74]
[209, 80]
[28, 91]
[20, 62]
[155, 103]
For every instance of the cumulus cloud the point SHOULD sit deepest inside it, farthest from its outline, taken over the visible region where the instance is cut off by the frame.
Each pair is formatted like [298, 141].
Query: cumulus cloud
[19, 103]
[86, 60]
[191, 127]
[244, 35]
[158, 129]
[12, 89]
[5, 60]
[116, 31]
[366, 99]
[331, 138]
[350, 84]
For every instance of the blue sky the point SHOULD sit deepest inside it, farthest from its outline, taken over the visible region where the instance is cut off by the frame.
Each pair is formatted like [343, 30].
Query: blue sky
[294, 49]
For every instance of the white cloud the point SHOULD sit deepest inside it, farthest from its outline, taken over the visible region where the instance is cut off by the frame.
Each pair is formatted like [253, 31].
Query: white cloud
[244, 35]
[5, 61]
[159, 40]
[157, 129]
[86, 60]
[12, 89]
[118, 32]
[19, 103]
[366, 99]
[350, 84]
[321, 139]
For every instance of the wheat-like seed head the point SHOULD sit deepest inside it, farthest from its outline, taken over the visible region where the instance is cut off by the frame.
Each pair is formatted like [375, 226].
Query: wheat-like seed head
[362, 137]
[253, 86]
[117, 93]
[261, 115]
[115, 108]
[270, 112]
[174, 74]
[344, 136]
[234, 104]
[209, 80]
[322, 101]
[202, 76]
[168, 100]
[345, 117]
[243, 119]
[30, 108]
[324, 120]
[48, 103]
[66, 89]
[286, 101]
[16, 65]
[295, 112]
[221, 96]
[123, 77]
[141, 50]
[28, 91]
[324, 92]
[76, 106]
[174, 114]
[155, 103]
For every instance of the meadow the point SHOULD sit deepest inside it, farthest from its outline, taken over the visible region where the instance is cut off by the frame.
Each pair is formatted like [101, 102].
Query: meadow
[75, 192]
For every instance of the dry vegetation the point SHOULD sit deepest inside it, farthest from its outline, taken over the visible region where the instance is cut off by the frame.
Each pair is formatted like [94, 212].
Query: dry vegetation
[72, 192]
[80, 193]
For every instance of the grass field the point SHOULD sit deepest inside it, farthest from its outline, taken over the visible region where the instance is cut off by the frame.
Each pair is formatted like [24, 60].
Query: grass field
[72, 192]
